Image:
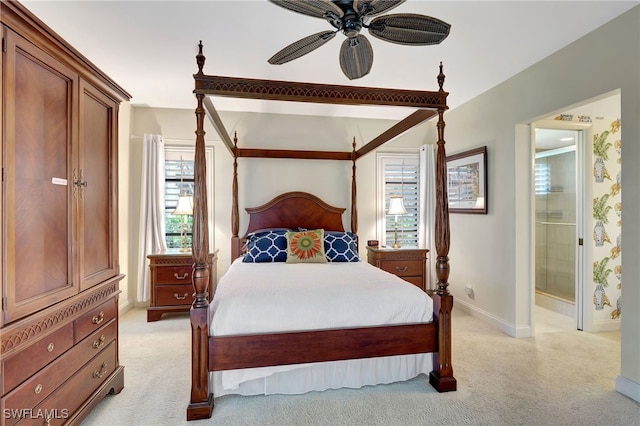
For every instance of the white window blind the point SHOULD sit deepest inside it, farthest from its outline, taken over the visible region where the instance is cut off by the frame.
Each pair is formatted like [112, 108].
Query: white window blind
[400, 177]
[542, 177]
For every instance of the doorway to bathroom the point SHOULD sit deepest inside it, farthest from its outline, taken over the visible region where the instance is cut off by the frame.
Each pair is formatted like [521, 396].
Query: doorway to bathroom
[558, 220]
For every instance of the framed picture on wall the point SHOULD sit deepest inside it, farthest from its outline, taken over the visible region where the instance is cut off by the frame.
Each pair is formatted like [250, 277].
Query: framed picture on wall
[467, 181]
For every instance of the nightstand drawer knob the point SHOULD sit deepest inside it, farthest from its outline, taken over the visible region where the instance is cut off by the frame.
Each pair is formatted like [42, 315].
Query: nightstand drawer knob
[180, 297]
[50, 347]
[402, 268]
[181, 277]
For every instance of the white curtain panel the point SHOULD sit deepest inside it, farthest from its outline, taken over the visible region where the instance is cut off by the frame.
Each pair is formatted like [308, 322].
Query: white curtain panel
[152, 228]
[426, 224]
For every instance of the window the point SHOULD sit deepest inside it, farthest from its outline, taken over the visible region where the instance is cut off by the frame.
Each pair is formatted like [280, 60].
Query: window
[179, 181]
[542, 178]
[399, 176]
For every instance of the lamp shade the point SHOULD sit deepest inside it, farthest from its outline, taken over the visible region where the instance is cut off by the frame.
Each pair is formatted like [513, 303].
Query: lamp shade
[185, 205]
[396, 206]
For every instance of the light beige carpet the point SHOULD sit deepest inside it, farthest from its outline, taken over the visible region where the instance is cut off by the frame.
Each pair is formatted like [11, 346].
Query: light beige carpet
[557, 378]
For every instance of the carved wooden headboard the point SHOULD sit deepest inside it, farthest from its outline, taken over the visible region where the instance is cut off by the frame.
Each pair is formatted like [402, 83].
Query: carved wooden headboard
[291, 210]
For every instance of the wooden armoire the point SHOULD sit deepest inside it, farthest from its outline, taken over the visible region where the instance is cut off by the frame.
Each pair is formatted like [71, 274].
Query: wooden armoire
[60, 273]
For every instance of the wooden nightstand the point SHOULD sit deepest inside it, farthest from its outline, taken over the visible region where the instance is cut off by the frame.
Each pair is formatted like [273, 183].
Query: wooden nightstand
[171, 285]
[410, 264]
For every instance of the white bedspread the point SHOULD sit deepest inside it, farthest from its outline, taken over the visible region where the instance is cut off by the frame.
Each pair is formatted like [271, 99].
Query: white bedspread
[272, 297]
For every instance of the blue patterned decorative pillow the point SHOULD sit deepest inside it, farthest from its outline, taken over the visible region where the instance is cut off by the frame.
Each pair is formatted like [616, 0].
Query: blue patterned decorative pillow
[340, 246]
[266, 246]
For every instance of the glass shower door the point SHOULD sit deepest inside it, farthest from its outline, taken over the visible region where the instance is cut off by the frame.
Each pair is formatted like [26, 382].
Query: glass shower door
[555, 174]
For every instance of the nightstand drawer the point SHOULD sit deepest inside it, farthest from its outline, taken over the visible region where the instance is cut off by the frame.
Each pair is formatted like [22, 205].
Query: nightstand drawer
[174, 274]
[403, 268]
[409, 264]
[167, 295]
[417, 280]
[171, 282]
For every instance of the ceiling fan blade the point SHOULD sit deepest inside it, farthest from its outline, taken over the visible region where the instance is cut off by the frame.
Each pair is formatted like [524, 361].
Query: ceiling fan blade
[375, 7]
[301, 47]
[356, 57]
[315, 8]
[409, 28]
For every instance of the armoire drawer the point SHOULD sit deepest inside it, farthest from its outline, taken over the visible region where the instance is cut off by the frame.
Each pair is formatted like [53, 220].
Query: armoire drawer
[73, 393]
[174, 274]
[94, 319]
[39, 355]
[43, 383]
[167, 295]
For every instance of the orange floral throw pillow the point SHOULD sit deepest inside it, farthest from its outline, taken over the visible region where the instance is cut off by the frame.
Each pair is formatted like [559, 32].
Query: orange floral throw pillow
[306, 246]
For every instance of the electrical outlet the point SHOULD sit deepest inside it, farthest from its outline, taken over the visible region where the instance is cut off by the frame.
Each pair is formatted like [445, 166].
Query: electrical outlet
[469, 290]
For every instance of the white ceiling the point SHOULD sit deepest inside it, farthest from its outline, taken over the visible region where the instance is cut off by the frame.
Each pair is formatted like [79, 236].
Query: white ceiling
[149, 47]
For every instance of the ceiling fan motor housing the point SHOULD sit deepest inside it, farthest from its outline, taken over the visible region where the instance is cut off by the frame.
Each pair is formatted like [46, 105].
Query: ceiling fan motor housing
[351, 24]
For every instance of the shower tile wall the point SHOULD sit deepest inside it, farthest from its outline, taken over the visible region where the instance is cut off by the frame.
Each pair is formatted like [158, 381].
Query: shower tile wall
[556, 230]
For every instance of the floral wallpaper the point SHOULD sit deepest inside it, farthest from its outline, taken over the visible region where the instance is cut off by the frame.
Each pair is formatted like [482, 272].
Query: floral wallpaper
[604, 154]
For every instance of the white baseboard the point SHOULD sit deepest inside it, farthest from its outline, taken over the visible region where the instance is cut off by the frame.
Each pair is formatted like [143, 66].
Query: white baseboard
[601, 326]
[500, 324]
[124, 307]
[628, 388]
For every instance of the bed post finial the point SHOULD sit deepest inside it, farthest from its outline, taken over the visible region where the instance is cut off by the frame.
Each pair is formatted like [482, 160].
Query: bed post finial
[441, 77]
[200, 58]
[354, 207]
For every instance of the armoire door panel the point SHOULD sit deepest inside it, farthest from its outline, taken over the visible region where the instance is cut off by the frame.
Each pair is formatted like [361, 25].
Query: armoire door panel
[39, 201]
[98, 210]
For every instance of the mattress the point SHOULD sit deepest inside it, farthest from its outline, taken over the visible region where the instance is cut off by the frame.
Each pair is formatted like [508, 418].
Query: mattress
[274, 297]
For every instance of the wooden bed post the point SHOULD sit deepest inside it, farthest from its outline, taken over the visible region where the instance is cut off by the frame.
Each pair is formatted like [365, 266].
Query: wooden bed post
[441, 378]
[235, 214]
[201, 404]
[354, 206]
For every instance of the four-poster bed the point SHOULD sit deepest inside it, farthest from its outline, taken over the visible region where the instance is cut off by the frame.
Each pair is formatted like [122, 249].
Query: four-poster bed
[294, 210]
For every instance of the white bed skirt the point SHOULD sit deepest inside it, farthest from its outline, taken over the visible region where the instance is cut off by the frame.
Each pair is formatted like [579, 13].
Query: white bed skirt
[303, 378]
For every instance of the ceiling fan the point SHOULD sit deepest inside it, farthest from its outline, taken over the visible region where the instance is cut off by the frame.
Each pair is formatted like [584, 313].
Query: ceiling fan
[350, 16]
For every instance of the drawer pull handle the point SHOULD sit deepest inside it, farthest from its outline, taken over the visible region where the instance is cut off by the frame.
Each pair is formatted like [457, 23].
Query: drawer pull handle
[402, 269]
[183, 277]
[100, 373]
[180, 297]
[38, 388]
[99, 342]
[50, 347]
[98, 319]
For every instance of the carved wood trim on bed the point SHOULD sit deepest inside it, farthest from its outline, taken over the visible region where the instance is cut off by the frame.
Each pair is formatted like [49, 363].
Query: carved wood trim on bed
[220, 353]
